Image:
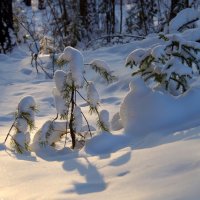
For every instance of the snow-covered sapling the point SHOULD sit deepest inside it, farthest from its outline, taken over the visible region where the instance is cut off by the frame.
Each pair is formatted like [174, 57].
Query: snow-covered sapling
[68, 85]
[24, 123]
[170, 65]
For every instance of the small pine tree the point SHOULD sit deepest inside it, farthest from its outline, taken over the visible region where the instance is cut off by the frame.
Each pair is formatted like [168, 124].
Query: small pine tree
[171, 65]
[69, 85]
[23, 124]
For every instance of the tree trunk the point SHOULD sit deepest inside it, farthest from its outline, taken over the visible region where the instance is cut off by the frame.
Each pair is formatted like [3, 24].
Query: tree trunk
[121, 17]
[143, 18]
[177, 6]
[6, 25]
[71, 121]
[65, 17]
[41, 4]
[27, 2]
[113, 16]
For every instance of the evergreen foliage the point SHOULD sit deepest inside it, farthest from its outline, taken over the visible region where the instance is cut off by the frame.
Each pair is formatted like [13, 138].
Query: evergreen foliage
[23, 124]
[70, 90]
[171, 65]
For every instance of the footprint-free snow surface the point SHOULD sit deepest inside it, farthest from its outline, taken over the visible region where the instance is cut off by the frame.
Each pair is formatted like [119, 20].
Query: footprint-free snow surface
[129, 164]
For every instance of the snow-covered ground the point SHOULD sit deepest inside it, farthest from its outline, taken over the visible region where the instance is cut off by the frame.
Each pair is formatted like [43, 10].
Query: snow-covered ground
[162, 163]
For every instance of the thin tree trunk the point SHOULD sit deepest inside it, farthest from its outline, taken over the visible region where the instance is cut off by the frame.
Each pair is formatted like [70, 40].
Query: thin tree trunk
[27, 2]
[113, 16]
[143, 17]
[65, 16]
[6, 24]
[177, 6]
[41, 4]
[121, 16]
[71, 127]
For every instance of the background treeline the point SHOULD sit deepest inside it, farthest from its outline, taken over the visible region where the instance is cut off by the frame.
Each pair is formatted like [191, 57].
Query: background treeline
[79, 22]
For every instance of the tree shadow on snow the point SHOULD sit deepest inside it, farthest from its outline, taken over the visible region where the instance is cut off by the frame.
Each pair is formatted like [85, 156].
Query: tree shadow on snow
[166, 136]
[50, 154]
[25, 156]
[94, 181]
[106, 143]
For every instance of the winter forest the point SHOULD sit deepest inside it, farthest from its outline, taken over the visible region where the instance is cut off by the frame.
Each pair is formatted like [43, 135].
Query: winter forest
[99, 99]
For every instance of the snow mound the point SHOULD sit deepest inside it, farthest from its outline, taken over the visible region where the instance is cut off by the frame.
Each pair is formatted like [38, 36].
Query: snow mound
[116, 122]
[105, 143]
[143, 111]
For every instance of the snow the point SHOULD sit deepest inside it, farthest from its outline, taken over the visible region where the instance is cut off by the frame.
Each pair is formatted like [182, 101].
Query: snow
[158, 111]
[21, 125]
[100, 64]
[49, 133]
[192, 34]
[76, 64]
[78, 120]
[116, 122]
[22, 139]
[183, 17]
[60, 79]
[26, 104]
[155, 156]
[136, 56]
[158, 51]
[177, 67]
[104, 118]
[60, 103]
[92, 95]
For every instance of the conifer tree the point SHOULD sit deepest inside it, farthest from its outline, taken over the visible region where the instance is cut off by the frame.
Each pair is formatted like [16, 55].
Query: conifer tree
[69, 86]
[23, 124]
[170, 65]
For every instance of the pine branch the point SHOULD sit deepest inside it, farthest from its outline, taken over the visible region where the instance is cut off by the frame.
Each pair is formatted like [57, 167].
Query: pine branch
[12, 126]
[15, 145]
[104, 73]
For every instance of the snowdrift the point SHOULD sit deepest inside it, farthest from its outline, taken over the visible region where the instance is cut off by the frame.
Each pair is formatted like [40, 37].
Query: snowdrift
[144, 111]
